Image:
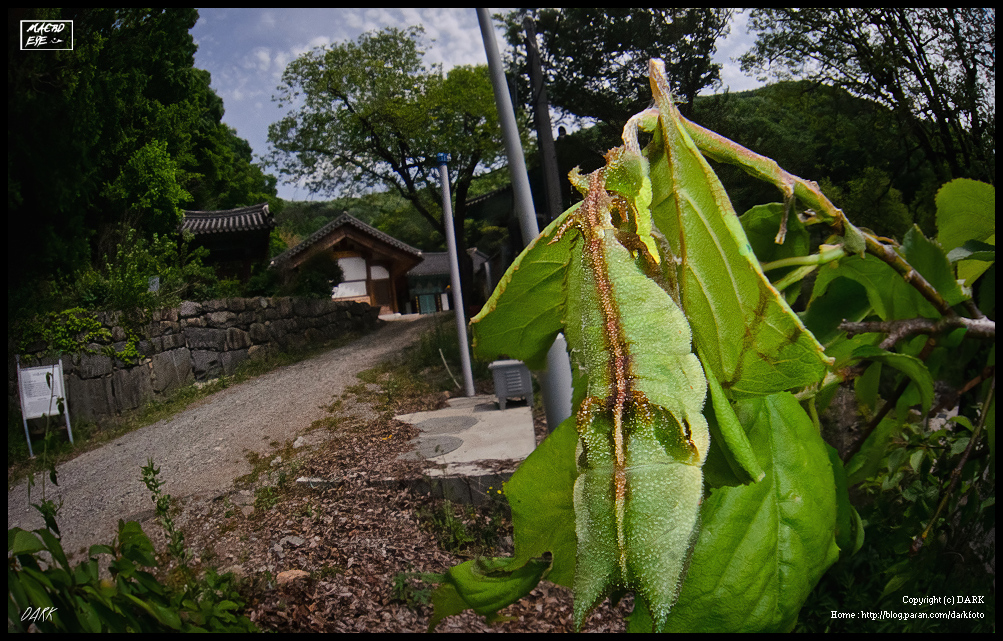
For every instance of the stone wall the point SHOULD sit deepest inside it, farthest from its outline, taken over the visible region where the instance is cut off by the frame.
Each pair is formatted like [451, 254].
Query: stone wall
[194, 342]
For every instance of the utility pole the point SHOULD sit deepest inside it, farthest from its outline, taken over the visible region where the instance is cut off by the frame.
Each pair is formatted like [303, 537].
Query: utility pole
[556, 382]
[454, 275]
[541, 116]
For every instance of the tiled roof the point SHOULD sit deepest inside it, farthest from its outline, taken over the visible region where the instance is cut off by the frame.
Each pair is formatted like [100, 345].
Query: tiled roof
[437, 263]
[345, 219]
[250, 218]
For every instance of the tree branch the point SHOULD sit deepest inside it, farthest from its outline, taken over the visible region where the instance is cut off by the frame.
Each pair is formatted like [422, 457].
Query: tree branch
[899, 329]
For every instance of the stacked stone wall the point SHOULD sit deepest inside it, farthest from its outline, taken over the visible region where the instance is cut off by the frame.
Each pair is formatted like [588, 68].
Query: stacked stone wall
[193, 342]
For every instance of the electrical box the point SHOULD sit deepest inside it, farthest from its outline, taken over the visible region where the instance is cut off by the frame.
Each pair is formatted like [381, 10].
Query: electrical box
[512, 380]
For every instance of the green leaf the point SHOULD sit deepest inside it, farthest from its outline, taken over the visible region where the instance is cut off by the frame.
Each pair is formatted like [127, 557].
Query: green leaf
[966, 210]
[891, 297]
[742, 327]
[54, 547]
[761, 224]
[866, 387]
[540, 494]
[488, 585]
[730, 460]
[911, 366]
[846, 531]
[23, 542]
[866, 463]
[524, 314]
[926, 257]
[446, 602]
[975, 250]
[841, 299]
[764, 546]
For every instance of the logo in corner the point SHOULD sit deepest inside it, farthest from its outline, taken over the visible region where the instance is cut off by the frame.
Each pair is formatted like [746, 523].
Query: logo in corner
[47, 35]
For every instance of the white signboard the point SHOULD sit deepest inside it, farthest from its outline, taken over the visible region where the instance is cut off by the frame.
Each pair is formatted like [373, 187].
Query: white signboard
[41, 389]
[37, 397]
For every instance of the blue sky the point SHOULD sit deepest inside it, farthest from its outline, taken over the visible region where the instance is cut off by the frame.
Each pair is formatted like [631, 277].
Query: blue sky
[246, 51]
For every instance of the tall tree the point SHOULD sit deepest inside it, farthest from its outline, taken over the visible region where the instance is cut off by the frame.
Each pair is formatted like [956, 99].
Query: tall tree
[596, 60]
[934, 67]
[118, 134]
[370, 114]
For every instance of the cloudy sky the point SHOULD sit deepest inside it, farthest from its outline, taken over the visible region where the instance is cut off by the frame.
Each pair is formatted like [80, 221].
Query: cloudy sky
[246, 51]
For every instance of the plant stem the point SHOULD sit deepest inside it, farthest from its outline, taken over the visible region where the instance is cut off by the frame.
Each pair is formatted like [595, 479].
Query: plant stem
[825, 256]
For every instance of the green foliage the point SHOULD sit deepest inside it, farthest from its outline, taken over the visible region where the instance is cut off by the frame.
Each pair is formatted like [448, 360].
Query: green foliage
[147, 189]
[656, 230]
[385, 99]
[409, 590]
[865, 160]
[315, 278]
[940, 87]
[132, 599]
[119, 133]
[371, 114]
[595, 60]
[66, 332]
[265, 498]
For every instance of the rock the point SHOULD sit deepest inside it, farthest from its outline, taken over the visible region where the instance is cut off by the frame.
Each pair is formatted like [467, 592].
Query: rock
[290, 576]
[292, 540]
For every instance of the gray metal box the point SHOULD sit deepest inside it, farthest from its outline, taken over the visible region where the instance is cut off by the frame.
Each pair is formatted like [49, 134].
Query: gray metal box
[512, 379]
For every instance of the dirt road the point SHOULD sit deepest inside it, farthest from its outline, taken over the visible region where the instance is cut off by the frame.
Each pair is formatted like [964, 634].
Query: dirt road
[201, 450]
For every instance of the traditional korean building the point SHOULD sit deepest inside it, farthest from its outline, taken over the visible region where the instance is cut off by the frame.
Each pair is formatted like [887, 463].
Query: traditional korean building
[429, 282]
[375, 264]
[237, 239]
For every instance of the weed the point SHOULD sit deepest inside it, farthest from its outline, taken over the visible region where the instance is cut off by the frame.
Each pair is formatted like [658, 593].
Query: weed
[265, 498]
[410, 590]
[133, 600]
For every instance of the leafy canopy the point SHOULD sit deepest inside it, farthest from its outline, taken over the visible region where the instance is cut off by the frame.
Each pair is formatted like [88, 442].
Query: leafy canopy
[370, 114]
[595, 60]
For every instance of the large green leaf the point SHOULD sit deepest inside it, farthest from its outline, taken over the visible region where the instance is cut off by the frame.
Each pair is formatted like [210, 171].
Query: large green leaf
[23, 542]
[731, 459]
[524, 314]
[486, 585]
[540, 494]
[543, 518]
[743, 329]
[966, 210]
[764, 546]
[889, 295]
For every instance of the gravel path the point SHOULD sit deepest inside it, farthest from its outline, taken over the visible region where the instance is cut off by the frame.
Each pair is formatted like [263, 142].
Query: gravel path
[201, 450]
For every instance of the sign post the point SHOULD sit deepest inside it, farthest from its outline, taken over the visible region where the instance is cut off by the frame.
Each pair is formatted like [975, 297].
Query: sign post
[41, 393]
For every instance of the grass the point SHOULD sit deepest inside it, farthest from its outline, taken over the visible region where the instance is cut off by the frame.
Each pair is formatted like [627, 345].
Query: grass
[90, 435]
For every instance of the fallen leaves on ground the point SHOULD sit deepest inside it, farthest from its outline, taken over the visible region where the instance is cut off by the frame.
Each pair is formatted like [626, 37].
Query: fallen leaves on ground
[361, 544]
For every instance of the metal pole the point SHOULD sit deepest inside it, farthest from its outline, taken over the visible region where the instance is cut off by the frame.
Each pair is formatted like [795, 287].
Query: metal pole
[454, 275]
[556, 382]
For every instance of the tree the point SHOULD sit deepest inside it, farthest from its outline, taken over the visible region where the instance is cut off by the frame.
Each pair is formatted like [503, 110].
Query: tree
[120, 133]
[596, 60]
[371, 114]
[934, 67]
